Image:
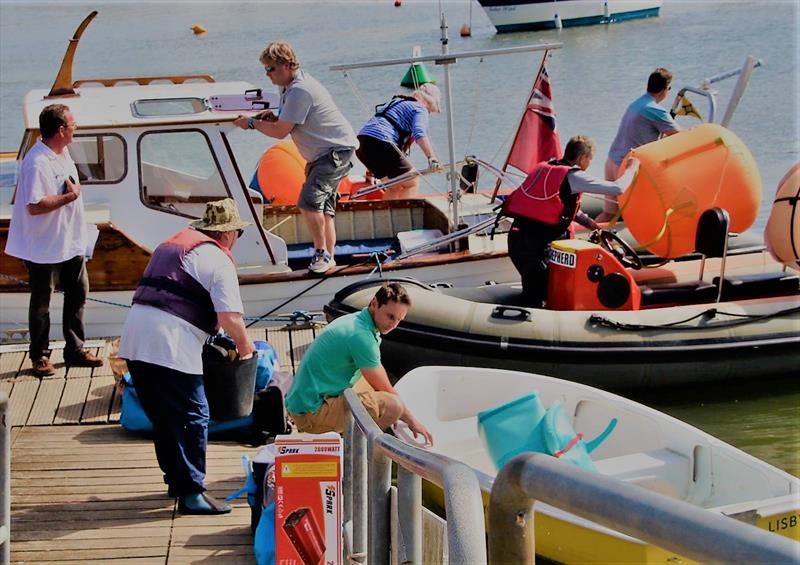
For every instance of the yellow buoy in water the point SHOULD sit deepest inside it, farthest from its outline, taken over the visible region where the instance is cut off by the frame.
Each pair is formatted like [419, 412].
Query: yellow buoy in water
[197, 29]
[682, 176]
[782, 234]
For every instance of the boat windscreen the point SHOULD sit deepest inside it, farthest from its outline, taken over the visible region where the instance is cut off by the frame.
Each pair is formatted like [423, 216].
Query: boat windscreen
[150, 108]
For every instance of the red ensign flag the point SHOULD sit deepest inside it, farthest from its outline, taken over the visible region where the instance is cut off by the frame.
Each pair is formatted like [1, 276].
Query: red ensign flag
[537, 137]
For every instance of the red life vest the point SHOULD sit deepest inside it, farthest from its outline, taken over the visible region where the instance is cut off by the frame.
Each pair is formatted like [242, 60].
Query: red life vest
[538, 198]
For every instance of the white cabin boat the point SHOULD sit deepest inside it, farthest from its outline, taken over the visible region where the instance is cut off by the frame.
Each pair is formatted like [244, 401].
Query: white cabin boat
[533, 15]
[152, 151]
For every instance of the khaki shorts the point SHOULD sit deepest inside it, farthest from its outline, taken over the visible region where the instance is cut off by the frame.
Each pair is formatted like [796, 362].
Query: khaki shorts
[330, 416]
[319, 192]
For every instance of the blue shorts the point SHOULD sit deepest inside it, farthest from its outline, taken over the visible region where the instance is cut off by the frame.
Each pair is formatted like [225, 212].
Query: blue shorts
[320, 190]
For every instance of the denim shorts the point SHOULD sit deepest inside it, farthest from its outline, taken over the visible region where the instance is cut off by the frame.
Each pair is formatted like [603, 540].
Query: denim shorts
[319, 192]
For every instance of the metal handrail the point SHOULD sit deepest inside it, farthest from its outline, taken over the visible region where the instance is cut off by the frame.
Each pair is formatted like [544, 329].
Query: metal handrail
[672, 524]
[369, 511]
[5, 480]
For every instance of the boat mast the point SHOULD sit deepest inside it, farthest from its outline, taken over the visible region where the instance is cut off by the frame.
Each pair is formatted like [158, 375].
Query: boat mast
[446, 59]
[451, 139]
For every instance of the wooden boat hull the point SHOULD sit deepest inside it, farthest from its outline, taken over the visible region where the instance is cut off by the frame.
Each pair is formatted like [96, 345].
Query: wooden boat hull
[271, 294]
[677, 345]
[647, 448]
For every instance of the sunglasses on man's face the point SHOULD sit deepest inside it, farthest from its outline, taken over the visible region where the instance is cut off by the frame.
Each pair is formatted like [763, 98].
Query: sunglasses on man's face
[269, 69]
[239, 233]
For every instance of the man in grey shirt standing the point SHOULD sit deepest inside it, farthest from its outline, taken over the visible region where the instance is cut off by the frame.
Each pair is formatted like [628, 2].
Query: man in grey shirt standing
[323, 137]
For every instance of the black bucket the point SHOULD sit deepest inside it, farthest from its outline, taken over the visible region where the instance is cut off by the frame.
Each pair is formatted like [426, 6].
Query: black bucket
[230, 385]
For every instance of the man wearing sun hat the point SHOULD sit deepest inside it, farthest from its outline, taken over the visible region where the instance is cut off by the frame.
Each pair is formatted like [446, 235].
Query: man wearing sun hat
[189, 290]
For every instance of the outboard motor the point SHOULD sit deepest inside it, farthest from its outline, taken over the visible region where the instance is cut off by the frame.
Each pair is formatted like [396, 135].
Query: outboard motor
[585, 276]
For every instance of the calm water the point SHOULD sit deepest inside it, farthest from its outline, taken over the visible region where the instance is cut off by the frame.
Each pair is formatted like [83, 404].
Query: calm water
[597, 73]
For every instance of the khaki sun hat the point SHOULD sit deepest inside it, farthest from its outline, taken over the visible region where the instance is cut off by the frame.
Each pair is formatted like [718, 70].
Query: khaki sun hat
[221, 215]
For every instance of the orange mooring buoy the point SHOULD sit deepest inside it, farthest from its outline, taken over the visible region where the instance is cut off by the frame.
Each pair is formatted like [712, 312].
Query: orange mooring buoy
[197, 29]
[466, 31]
[397, 3]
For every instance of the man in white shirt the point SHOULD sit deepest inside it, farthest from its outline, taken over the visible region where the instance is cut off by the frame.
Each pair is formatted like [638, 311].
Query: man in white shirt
[323, 137]
[189, 290]
[48, 232]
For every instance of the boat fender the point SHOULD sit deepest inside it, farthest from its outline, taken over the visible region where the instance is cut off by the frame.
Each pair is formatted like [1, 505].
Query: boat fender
[782, 234]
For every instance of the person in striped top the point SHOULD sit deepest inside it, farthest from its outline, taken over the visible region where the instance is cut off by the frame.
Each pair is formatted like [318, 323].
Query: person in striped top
[387, 136]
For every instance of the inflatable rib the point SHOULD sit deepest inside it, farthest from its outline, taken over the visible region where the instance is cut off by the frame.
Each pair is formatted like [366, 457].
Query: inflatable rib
[606, 327]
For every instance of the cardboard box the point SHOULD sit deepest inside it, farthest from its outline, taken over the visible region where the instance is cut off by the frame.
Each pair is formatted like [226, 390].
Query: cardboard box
[308, 501]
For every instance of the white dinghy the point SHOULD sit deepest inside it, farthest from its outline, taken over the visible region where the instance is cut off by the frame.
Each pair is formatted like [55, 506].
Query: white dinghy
[646, 448]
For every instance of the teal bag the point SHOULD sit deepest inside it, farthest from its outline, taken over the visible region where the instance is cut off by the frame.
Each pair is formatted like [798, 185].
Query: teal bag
[523, 425]
[505, 429]
[558, 438]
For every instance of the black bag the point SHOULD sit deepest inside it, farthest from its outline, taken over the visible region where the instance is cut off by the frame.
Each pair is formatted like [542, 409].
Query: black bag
[229, 384]
[269, 414]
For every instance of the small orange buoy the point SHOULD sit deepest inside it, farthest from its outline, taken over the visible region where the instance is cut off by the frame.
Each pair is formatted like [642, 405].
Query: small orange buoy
[197, 29]
[466, 31]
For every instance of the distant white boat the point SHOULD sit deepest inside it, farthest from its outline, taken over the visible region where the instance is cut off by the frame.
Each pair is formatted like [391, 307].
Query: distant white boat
[646, 448]
[532, 15]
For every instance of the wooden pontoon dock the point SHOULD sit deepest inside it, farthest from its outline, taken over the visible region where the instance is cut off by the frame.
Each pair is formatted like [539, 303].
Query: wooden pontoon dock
[85, 490]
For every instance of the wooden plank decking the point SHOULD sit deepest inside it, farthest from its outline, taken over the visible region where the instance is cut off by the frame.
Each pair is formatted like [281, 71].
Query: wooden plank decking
[84, 490]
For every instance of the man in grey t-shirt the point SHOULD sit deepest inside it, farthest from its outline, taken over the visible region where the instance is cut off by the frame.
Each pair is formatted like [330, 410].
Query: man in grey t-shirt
[323, 136]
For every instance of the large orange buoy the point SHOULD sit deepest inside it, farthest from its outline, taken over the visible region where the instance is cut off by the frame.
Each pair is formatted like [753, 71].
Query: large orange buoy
[683, 175]
[782, 234]
[281, 172]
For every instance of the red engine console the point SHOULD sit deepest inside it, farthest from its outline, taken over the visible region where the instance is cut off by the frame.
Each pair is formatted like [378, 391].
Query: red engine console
[585, 276]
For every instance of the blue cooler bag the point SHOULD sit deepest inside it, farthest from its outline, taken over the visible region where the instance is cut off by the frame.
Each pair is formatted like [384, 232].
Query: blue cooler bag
[523, 425]
[505, 429]
[133, 418]
[555, 436]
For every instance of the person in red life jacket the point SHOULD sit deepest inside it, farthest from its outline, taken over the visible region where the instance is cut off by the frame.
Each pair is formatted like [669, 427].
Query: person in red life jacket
[189, 290]
[388, 134]
[544, 207]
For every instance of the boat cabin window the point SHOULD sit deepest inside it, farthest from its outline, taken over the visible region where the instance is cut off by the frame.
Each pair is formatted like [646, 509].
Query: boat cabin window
[99, 158]
[179, 172]
[168, 107]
